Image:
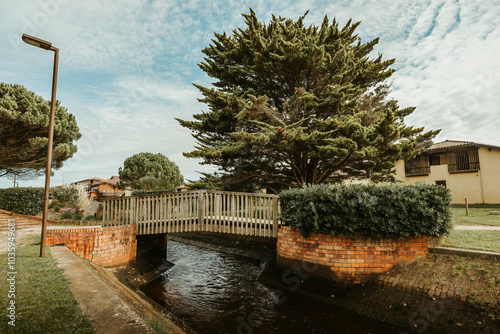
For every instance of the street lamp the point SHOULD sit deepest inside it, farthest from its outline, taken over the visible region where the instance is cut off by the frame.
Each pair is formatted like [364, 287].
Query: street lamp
[47, 46]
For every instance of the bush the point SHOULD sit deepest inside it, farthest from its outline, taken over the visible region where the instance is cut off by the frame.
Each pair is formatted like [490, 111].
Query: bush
[64, 194]
[70, 214]
[26, 201]
[140, 192]
[374, 210]
[90, 218]
[67, 215]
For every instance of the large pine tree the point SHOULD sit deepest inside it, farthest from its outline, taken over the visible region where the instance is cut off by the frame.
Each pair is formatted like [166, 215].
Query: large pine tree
[24, 129]
[295, 105]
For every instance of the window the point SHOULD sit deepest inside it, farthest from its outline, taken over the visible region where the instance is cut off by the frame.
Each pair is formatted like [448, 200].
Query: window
[434, 160]
[417, 166]
[463, 161]
[441, 183]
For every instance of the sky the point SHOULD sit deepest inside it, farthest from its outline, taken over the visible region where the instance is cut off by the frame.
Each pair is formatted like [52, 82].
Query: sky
[127, 67]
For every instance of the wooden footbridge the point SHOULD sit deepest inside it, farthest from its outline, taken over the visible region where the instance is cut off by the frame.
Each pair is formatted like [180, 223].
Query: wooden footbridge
[206, 210]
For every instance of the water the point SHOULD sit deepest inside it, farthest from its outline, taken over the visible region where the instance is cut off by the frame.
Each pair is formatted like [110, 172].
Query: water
[215, 292]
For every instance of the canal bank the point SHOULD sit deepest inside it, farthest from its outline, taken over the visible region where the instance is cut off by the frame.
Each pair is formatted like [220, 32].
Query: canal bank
[436, 294]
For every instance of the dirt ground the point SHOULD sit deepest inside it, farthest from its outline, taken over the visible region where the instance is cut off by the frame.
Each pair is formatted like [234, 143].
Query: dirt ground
[24, 236]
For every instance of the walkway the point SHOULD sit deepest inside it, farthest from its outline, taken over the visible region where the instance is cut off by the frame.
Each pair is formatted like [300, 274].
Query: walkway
[100, 302]
[478, 228]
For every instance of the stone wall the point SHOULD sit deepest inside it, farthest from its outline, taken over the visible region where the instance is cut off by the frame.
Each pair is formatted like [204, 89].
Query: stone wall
[346, 260]
[106, 246]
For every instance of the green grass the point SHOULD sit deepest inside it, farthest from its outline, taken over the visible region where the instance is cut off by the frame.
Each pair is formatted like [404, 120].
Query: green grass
[478, 240]
[44, 302]
[478, 215]
[159, 324]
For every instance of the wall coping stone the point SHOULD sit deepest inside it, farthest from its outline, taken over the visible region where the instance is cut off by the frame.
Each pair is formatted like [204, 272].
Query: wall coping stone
[464, 252]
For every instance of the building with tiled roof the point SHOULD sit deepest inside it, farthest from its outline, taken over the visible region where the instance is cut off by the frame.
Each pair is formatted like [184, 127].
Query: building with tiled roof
[467, 168]
[98, 188]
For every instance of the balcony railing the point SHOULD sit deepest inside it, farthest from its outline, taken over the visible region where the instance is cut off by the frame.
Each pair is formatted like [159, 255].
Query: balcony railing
[418, 171]
[463, 167]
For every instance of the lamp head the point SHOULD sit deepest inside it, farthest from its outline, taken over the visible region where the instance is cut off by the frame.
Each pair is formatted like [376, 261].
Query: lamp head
[37, 42]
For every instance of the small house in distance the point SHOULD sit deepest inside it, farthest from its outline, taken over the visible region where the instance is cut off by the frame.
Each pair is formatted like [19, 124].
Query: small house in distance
[98, 188]
[466, 168]
[87, 184]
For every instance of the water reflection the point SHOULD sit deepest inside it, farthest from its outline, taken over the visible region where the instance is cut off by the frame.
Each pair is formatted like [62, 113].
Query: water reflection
[215, 292]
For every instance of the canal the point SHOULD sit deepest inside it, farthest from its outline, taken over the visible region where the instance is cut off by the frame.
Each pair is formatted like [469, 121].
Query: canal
[214, 292]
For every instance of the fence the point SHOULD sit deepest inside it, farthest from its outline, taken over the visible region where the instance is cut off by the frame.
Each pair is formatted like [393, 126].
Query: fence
[206, 210]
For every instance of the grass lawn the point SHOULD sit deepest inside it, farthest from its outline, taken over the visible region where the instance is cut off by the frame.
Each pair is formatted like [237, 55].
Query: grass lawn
[478, 215]
[478, 240]
[43, 301]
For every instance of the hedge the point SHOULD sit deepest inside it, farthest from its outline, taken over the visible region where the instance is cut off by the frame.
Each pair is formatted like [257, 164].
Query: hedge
[26, 201]
[64, 194]
[373, 210]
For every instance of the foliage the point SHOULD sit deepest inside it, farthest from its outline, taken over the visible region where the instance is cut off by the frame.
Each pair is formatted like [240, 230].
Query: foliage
[71, 215]
[64, 194]
[374, 210]
[21, 174]
[150, 171]
[83, 203]
[141, 192]
[295, 105]
[24, 127]
[26, 201]
[207, 182]
[90, 218]
[67, 215]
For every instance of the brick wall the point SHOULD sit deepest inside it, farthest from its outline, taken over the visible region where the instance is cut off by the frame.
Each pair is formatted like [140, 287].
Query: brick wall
[345, 260]
[106, 246]
[22, 220]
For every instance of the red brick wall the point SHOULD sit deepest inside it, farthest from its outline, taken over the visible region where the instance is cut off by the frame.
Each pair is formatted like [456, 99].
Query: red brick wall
[345, 260]
[106, 246]
[22, 220]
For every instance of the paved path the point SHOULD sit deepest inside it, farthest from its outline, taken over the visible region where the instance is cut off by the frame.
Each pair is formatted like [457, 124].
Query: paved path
[98, 301]
[478, 228]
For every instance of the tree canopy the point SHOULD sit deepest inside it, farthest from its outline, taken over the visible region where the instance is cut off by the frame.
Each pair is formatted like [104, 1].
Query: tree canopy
[24, 128]
[295, 105]
[150, 171]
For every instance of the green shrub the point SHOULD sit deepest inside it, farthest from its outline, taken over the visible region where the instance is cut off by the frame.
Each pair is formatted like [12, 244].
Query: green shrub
[26, 201]
[374, 210]
[140, 192]
[90, 218]
[67, 215]
[71, 215]
[64, 194]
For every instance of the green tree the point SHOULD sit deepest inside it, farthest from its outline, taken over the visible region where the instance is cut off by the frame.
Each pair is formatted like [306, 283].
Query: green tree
[24, 128]
[207, 181]
[150, 172]
[294, 105]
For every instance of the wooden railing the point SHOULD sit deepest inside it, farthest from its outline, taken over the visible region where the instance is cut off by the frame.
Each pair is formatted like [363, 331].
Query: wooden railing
[206, 210]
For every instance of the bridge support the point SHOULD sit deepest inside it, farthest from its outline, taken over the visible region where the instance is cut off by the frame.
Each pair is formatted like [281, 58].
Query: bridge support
[152, 245]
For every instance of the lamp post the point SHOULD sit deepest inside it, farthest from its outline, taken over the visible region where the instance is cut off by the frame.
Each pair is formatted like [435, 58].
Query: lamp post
[47, 46]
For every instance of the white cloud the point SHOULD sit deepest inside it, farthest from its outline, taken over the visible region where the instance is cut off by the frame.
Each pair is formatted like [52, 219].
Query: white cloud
[127, 66]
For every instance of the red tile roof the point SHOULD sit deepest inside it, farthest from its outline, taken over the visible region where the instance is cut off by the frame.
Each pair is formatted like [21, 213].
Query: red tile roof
[457, 143]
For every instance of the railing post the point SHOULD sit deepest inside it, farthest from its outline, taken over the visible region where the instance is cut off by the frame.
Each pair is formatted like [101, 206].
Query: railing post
[201, 210]
[104, 213]
[275, 217]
